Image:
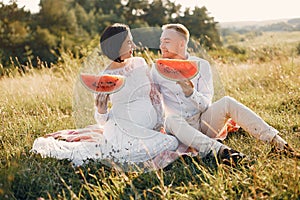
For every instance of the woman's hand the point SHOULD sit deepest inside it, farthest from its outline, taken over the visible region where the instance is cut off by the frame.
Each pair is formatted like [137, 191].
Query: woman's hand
[187, 87]
[159, 128]
[101, 103]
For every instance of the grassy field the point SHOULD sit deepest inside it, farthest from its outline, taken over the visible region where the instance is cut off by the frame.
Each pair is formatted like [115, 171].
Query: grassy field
[41, 102]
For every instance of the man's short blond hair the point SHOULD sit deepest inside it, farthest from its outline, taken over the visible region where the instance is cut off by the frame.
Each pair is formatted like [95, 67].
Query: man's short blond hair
[180, 28]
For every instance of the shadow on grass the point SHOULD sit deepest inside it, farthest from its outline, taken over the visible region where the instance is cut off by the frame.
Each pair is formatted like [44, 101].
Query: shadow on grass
[31, 177]
[180, 173]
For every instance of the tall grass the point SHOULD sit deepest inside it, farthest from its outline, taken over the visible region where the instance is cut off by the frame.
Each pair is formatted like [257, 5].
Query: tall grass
[41, 102]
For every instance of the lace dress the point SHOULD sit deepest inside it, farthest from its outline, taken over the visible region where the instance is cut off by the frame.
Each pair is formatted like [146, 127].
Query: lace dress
[130, 122]
[125, 135]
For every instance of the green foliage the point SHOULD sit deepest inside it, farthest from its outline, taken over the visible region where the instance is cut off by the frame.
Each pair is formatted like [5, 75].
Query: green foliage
[14, 33]
[201, 27]
[298, 48]
[252, 47]
[236, 50]
[68, 25]
[282, 26]
[226, 56]
[156, 7]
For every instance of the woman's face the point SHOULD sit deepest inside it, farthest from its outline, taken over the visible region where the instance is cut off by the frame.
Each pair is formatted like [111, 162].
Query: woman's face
[127, 47]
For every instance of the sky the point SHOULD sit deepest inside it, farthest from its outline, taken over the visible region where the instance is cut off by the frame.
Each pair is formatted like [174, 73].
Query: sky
[226, 11]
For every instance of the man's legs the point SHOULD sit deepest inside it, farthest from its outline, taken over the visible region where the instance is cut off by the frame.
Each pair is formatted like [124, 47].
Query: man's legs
[214, 118]
[190, 136]
[205, 146]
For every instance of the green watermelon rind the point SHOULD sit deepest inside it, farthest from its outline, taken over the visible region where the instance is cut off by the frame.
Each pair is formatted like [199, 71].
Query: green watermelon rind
[174, 79]
[102, 92]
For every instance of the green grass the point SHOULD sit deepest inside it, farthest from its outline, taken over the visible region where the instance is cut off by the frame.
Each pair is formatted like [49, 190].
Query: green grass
[41, 102]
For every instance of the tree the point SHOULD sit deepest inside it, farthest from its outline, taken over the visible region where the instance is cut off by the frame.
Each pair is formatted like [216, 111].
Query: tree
[14, 33]
[65, 20]
[69, 24]
[45, 43]
[134, 12]
[155, 8]
[56, 16]
[201, 26]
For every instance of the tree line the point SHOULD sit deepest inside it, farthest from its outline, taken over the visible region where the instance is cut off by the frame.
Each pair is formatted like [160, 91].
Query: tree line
[71, 24]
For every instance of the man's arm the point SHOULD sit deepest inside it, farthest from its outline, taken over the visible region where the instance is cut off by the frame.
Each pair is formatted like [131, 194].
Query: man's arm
[203, 89]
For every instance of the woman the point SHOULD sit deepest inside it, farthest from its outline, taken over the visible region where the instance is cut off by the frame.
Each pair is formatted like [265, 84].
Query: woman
[131, 122]
[129, 132]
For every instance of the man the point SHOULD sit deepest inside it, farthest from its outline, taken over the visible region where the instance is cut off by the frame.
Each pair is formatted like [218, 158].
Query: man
[188, 104]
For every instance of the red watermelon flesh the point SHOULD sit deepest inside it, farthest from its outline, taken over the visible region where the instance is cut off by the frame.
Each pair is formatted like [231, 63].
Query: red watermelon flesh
[105, 83]
[176, 69]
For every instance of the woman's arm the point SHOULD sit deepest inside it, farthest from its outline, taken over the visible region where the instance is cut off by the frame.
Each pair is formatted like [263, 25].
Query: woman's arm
[156, 100]
[101, 108]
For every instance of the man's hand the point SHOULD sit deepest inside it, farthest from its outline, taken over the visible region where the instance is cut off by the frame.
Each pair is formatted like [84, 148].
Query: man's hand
[101, 103]
[187, 87]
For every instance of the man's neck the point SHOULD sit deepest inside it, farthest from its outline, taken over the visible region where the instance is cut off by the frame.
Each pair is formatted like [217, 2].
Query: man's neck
[181, 56]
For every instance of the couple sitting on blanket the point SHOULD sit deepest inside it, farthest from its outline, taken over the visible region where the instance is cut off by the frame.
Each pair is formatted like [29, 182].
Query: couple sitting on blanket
[131, 126]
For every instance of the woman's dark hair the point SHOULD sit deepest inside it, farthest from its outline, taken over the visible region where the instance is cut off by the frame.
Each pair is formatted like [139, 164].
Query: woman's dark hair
[112, 39]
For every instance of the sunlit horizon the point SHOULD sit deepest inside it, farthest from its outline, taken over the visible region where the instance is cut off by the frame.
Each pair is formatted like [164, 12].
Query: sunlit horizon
[222, 11]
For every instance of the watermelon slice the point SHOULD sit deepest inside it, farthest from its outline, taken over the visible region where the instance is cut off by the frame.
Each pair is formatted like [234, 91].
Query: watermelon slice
[176, 69]
[104, 83]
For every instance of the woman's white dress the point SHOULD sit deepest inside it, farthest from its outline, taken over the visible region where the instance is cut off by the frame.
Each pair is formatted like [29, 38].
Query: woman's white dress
[130, 122]
[124, 135]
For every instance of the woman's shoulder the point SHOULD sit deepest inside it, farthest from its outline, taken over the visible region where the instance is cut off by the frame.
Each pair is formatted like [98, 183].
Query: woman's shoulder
[139, 60]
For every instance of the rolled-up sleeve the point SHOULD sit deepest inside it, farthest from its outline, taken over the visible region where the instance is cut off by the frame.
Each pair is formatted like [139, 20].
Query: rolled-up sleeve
[203, 87]
[101, 118]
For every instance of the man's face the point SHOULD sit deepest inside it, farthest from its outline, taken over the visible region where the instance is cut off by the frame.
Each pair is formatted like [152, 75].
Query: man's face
[172, 44]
